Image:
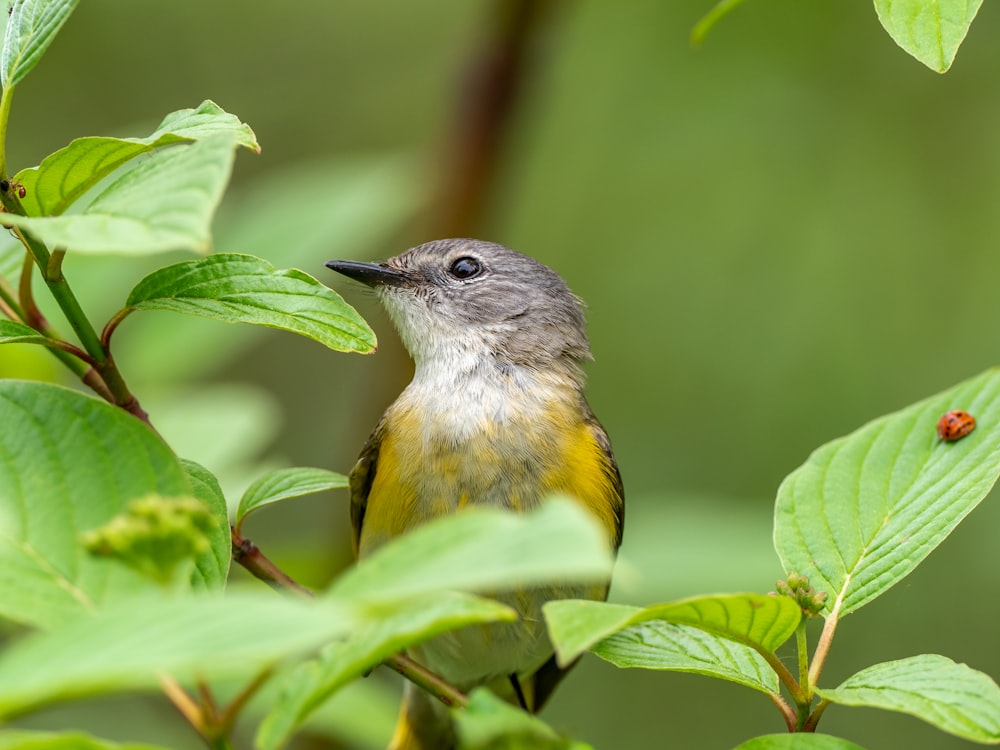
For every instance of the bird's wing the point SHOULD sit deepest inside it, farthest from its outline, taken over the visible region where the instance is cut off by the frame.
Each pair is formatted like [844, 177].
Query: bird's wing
[614, 476]
[361, 478]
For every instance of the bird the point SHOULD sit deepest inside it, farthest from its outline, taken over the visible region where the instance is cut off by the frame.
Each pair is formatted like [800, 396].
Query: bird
[494, 416]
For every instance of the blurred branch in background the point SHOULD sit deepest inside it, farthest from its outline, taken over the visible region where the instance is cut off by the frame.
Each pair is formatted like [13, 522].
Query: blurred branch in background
[492, 86]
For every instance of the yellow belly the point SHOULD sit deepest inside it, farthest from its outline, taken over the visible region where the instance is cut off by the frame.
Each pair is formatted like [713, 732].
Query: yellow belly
[422, 474]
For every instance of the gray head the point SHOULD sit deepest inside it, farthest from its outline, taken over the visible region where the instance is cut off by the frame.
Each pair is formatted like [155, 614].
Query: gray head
[459, 300]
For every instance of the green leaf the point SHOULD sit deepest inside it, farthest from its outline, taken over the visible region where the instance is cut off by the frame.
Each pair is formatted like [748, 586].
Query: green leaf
[157, 536]
[489, 723]
[396, 627]
[62, 177]
[32, 26]
[953, 697]
[164, 202]
[68, 464]
[798, 741]
[213, 566]
[930, 30]
[756, 620]
[866, 509]
[237, 288]
[485, 549]
[23, 739]
[678, 648]
[130, 644]
[12, 332]
[283, 484]
[707, 22]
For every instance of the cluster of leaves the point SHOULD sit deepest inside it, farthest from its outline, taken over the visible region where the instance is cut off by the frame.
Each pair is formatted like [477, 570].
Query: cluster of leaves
[114, 550]
[929, 30]
[850, 523]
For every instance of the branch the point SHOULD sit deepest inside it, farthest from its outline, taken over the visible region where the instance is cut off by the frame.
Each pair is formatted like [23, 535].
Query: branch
[493, 86]
[248, 554]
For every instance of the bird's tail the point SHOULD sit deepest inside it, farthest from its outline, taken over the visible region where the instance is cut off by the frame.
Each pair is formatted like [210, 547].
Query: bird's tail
[424, 723]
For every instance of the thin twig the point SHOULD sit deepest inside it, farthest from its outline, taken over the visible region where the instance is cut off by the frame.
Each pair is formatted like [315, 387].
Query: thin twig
[434, 684]
[823, 644]
[248, 554]
[184, 703]
[787, 712]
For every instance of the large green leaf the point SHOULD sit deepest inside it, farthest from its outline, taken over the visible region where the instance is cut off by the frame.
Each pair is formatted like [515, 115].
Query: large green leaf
[68, 464]
[489, 723]
[237, 288]
[23, 739]
[12, 332]
[756, 620]
[798, 741]
[930, 30]
[395, 628]
[678, 648]
[483, 549]
[62, 177]
[32, 26]
[953, 697]
[283, 484]
[130, 644]
[214, 565]
[165, 202]
[866, 509]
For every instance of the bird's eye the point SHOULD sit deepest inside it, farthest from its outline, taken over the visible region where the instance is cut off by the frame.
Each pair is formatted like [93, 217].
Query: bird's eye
[465, 268]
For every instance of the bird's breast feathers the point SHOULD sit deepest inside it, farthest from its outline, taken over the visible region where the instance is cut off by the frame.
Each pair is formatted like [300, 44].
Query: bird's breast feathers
[507, 452]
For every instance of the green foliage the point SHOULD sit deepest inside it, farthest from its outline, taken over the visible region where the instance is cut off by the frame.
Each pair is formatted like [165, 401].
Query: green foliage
[761, 622]
[132, 644]
[243, 289]
[26, 740]
[399, 625]
[114, 551]
[661, 645]
[164, 202]
[930, 30]
[66, 175]
[857, 517]
[866, 509]
[798, 742]
[71, 463]
[953, 697]
[30, 30]
[155, 535]
[284, 484]
[488, 723]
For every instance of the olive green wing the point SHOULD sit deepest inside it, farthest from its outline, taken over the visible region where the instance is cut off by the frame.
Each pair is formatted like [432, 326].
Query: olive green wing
[612, 472]
[361, 478]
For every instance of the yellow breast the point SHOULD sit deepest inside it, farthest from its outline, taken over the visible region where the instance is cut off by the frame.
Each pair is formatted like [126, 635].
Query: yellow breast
[428, 468]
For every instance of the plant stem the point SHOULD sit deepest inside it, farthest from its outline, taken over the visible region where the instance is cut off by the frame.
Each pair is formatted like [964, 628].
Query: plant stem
[802, 647]
[429, 681]
[823, 645]
[248, 554]
[813, 720]
[183, 702]
[5, 99]
[785, 676]
[786, 711]
[227, 718]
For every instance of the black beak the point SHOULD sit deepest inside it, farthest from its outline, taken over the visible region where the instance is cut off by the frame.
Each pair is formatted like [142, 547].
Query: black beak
[372, 274]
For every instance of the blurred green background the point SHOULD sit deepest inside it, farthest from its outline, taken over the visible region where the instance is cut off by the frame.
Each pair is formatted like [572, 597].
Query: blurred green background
[780, 236]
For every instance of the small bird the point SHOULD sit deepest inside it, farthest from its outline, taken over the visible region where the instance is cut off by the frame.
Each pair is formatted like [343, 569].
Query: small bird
[494, 416]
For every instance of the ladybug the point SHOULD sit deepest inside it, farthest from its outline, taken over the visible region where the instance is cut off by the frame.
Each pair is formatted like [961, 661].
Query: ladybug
[955, 425]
